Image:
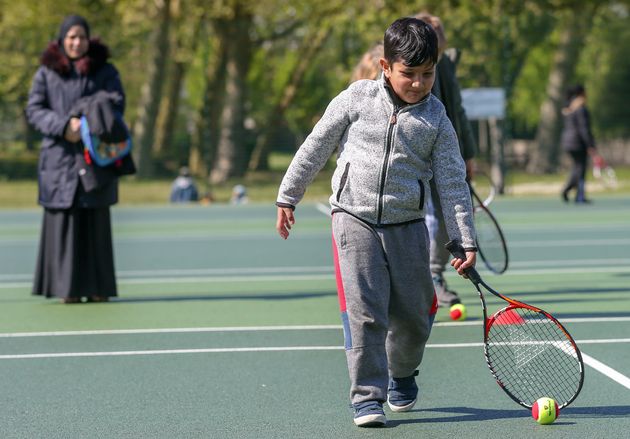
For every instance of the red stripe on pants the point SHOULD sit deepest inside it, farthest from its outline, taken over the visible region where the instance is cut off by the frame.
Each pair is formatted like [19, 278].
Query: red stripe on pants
[341, 294]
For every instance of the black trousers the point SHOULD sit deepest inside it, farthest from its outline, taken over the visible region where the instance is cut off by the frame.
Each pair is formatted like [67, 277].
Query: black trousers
[76, 256]
[577, 177]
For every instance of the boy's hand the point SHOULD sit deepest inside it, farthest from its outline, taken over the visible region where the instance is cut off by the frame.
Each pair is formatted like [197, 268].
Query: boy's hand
[460, 265]
[285, 221]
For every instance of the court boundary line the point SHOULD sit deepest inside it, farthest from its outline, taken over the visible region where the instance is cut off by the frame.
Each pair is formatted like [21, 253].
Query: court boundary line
[606, 370]
[251, 349]
[262, 328]
[310, 273]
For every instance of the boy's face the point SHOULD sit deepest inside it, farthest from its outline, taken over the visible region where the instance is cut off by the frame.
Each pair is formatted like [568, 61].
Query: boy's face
[411, 84]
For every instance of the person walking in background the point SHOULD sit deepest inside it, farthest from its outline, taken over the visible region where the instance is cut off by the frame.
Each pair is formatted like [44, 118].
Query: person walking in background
[446, 89]
[578, 141]
[392, 137]
[76, 258]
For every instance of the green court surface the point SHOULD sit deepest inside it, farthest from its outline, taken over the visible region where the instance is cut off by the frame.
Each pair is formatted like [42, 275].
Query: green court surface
[224, 330]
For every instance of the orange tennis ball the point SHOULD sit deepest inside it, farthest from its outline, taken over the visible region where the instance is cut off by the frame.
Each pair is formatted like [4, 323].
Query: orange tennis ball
[545, 411]
[458, 312]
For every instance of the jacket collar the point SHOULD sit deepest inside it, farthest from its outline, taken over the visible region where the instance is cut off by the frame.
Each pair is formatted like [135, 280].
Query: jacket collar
[96, 56]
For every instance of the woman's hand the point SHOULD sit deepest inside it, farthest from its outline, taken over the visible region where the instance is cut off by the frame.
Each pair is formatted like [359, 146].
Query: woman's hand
[73, 130]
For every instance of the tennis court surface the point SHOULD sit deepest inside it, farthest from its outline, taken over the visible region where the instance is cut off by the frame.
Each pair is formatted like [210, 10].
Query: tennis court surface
[224, 330]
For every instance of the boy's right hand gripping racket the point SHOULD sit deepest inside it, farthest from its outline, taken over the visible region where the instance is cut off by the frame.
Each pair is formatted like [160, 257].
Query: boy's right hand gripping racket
[528, 351]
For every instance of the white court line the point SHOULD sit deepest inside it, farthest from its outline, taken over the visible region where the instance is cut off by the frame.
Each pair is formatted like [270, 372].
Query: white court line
[246, 349]
[590, 361]
[323, 208]
[268, 328]
[533, 267]
[168, 351]
[606, 370]
[328, 276]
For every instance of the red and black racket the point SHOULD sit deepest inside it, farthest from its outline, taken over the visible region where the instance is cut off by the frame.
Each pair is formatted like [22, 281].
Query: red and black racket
[528, 351]
[490, 239]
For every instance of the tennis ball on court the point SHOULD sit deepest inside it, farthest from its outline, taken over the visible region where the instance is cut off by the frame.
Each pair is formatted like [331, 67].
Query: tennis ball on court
[545, 411]
[458, 312]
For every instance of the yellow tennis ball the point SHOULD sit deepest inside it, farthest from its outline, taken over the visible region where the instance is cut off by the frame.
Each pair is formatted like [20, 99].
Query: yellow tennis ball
[458, 312]
[545, 411]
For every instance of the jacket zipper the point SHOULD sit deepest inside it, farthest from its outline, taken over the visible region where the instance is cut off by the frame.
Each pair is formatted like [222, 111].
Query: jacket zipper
[388, 148]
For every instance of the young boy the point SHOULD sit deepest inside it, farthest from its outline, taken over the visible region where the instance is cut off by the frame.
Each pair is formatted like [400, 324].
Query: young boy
[393, 137]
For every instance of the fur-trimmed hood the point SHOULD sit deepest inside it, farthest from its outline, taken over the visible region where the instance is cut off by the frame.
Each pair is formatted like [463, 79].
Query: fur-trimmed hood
[95, 58]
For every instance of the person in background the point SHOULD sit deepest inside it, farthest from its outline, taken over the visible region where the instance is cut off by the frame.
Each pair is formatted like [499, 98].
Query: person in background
[239, 195]
[76, 258]
[578, 141]
[183, 189]
[446, 89]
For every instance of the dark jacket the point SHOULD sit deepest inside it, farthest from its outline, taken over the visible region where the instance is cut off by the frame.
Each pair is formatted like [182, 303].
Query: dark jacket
[446, 88]
[576, 132]
[57, 86]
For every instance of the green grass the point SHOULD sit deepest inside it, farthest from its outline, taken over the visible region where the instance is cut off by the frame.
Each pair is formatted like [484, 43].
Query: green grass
[263, 186]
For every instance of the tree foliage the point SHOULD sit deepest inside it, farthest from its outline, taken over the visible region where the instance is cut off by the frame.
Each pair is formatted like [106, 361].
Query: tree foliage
[216, 99]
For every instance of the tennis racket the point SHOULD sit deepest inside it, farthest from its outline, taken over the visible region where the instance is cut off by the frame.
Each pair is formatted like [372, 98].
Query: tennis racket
[484, 188]
[490, 239]
[528, 351]
[603, 172]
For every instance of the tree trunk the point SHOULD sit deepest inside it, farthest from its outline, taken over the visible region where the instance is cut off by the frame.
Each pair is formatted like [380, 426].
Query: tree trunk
[545, 157]
[231, 154]
[310, 46]
[184, 48]
[169, 110]
[144, 128]
[206, 133]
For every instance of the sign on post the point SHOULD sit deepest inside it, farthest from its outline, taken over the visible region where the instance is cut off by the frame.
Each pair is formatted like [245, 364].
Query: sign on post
[484, 103]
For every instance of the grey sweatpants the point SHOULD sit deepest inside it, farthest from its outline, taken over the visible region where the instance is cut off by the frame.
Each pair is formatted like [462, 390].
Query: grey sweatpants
[386, 298]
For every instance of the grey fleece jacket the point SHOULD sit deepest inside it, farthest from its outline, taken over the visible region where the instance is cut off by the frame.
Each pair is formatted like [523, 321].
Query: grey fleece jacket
[386, 156]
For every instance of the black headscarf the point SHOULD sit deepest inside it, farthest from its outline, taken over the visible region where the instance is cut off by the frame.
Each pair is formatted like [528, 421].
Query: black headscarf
[68, 22]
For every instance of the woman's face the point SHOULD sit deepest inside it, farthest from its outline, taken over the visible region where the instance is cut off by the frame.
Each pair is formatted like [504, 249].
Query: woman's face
[75, 43]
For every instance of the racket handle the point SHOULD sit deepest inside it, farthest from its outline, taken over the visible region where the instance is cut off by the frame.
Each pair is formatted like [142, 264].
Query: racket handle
[456, 249]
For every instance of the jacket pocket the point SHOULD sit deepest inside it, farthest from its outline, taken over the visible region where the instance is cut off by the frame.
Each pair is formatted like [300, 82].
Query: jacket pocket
[421, 204]
[342, 182]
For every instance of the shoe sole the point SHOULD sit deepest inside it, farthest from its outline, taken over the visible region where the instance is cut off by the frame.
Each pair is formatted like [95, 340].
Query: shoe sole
[401, 408]
[375, 420]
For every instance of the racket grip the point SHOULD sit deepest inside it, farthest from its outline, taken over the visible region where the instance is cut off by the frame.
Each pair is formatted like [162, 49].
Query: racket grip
[456, 249]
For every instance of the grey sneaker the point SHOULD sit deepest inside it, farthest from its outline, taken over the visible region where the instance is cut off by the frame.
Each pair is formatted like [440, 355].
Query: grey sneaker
[369, 414]
[446, 297]
[402, 393]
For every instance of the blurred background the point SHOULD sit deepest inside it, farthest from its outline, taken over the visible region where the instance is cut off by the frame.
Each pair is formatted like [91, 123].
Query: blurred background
[230, 88]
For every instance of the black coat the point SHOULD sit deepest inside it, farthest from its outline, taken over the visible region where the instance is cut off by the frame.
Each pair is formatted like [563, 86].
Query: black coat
[57, 86]
[576, 133]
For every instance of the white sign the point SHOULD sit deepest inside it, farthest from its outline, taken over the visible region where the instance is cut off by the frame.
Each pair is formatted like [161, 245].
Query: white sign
[484, 103]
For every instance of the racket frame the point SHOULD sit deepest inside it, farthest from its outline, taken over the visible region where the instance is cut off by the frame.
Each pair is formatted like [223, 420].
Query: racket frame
[482, 207]
[457, 251]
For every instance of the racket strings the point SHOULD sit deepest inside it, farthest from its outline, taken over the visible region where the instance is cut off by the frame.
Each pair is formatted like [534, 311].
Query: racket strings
[531, 357]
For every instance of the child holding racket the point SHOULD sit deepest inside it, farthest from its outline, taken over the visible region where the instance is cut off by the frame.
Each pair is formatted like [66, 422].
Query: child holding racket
[392, 136]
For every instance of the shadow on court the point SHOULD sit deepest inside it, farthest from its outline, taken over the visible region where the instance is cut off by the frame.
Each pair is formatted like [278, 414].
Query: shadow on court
[472, 414]
[611, 411]
[193, 297]
[461, 414]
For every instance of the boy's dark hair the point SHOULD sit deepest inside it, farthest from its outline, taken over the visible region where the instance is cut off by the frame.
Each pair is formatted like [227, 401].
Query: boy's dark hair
[410, 41]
